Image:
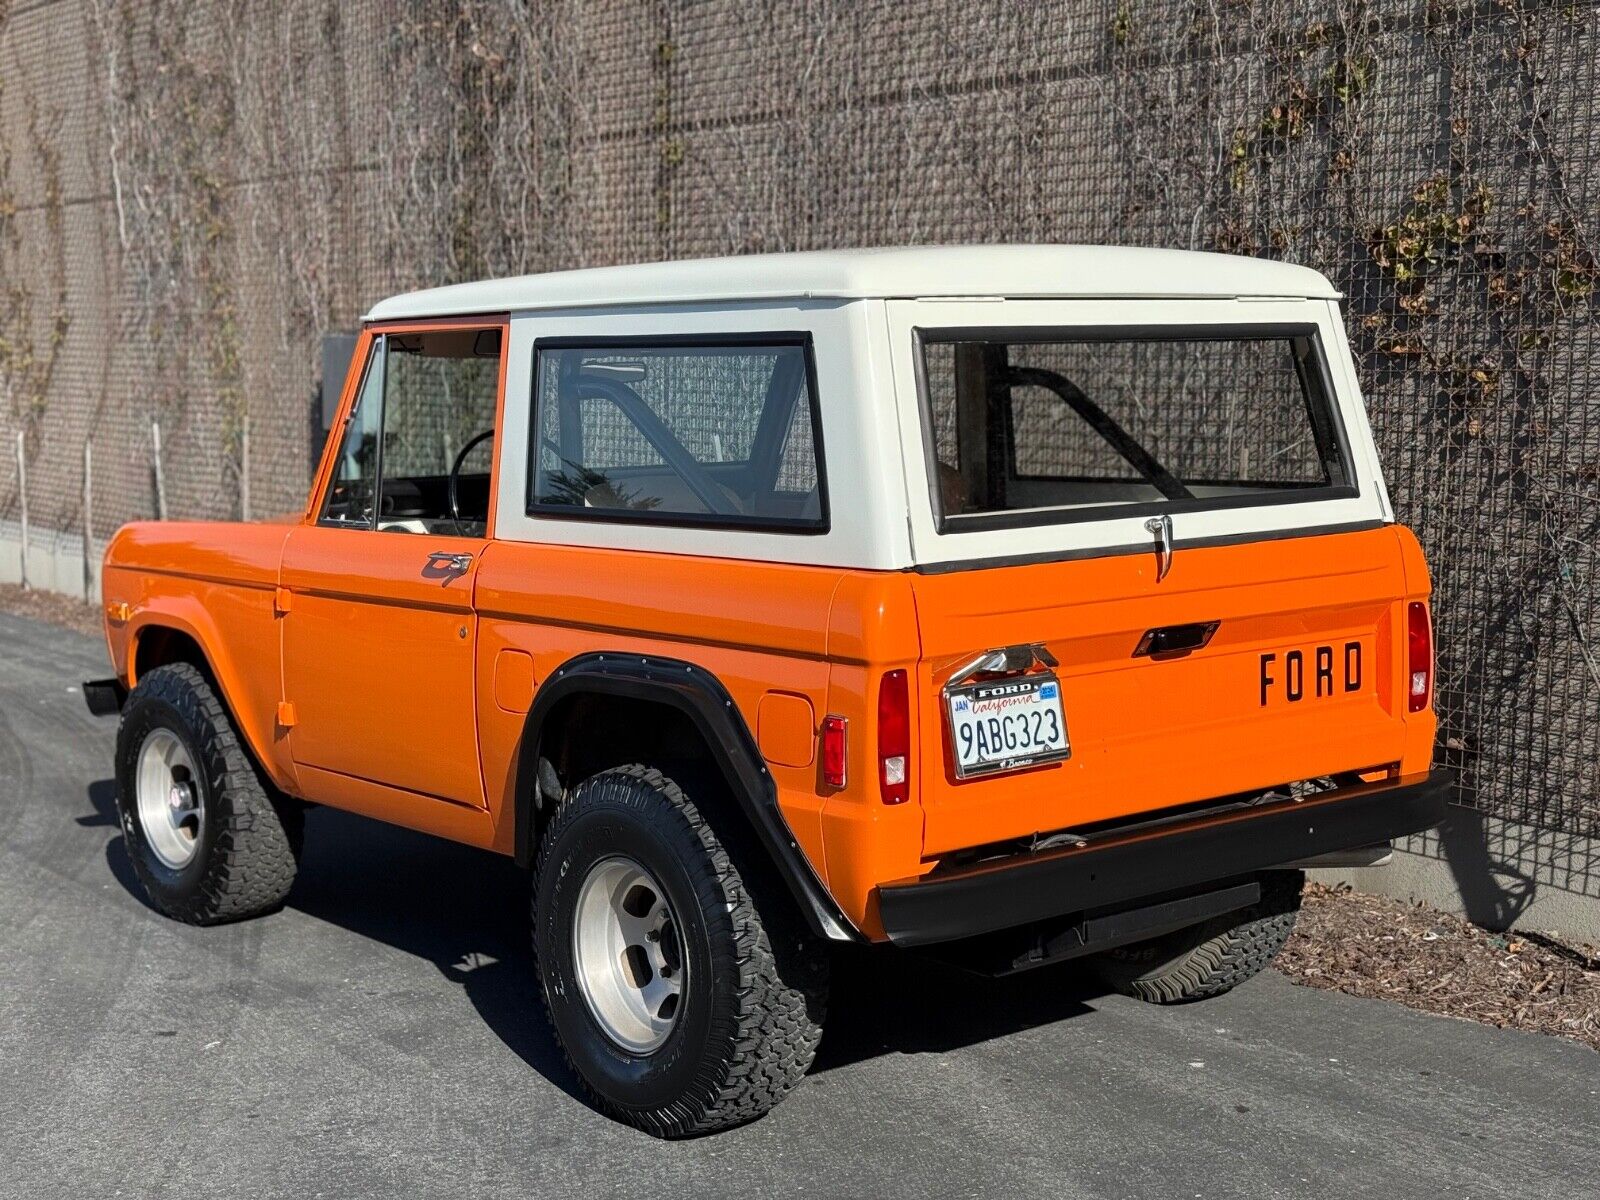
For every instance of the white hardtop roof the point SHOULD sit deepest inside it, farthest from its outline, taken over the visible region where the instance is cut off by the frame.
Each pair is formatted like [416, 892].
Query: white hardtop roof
[909, 272]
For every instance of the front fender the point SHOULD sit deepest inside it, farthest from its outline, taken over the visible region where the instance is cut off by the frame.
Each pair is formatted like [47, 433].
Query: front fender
[214, 582]
[236, 631]
[244, 664]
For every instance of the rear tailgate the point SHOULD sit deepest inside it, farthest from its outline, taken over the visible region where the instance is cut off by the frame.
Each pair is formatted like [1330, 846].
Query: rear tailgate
[1301, 678]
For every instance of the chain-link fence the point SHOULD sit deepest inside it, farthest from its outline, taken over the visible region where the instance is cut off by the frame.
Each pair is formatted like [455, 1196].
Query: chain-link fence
[190, 194]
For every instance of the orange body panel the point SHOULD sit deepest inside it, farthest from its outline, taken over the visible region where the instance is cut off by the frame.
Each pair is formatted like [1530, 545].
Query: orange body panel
[758, 627]
[215, 582]
[378, 660]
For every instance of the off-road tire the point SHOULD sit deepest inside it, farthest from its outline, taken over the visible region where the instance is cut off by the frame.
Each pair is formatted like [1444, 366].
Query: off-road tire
[250, 842]
[1210, 958]
[755, 990]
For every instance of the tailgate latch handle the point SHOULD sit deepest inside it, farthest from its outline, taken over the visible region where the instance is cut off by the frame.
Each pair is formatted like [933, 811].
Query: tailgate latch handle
[1162, 528]
[1174, 641]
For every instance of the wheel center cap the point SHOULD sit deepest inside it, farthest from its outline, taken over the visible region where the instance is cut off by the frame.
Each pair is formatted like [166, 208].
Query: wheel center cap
[178, 802]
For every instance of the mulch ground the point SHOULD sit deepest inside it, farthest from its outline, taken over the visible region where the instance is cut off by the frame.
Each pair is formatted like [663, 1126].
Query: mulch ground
[1345, 941]
[1363, 945]
[52, 607]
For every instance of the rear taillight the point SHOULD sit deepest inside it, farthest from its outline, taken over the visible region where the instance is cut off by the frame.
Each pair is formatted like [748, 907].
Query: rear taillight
[833, 751]
[1419, 655]
[894, 738]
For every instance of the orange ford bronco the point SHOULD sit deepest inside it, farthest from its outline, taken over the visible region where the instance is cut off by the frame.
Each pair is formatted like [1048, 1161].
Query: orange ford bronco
[1034, 601]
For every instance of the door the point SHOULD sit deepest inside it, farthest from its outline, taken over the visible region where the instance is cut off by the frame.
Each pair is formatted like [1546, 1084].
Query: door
[376, 587]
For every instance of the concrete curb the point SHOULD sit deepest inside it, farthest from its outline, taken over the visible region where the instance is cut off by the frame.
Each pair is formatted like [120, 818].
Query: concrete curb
[1499, 874]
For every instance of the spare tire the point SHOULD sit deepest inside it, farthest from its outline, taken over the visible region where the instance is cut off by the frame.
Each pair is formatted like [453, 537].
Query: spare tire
[1212, 957]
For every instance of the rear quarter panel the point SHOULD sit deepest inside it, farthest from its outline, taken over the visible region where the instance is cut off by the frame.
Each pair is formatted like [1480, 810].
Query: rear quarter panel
[761, 628]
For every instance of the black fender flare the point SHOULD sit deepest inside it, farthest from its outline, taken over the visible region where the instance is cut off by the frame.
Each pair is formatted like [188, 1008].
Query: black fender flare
[700, 696]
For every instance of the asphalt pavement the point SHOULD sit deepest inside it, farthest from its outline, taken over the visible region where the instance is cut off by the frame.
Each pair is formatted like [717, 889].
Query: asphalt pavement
[380, 1037]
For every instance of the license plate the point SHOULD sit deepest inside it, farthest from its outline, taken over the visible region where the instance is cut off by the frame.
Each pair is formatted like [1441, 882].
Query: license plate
[1007, 724]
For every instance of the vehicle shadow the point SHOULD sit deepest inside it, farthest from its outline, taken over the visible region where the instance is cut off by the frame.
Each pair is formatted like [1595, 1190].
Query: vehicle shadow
[886, 1001]
[1494, 892]
[465, 911]
[102, 795]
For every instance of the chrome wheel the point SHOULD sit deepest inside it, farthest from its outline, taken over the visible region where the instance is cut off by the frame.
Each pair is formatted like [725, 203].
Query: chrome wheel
[168, 795]
[629, 959]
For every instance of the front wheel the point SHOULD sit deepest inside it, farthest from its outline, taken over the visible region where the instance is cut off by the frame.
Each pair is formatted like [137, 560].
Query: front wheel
[1210, 958]
[683, 1005]
[210, 838]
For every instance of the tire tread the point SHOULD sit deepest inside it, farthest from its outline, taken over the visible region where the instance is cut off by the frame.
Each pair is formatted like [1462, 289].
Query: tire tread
[1228, 950]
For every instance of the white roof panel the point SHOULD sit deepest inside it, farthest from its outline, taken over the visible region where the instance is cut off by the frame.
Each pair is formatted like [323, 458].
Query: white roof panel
[909, 272]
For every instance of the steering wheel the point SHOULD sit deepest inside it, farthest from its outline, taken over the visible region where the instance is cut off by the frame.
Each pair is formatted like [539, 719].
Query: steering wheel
[454, 485]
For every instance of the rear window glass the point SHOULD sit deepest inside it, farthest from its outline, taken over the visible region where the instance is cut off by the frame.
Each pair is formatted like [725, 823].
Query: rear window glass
[1066, 427]
[689, 434]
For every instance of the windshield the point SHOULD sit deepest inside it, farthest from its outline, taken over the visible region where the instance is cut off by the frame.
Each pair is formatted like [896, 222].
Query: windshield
[1064, 425]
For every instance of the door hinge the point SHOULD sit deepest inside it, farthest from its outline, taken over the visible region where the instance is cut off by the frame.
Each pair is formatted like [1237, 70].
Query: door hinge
[286, 717]
[281, 599]
[1162, 528]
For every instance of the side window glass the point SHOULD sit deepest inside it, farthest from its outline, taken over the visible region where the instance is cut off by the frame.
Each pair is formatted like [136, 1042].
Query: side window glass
[418, 447]
[353, 489]
[691, 434]
[439, 398]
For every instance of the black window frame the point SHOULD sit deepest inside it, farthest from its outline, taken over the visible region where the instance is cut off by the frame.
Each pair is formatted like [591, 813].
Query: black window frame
[802, 339]
[1329, 423]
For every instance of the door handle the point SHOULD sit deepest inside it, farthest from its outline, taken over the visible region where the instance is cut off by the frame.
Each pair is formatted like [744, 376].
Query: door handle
[448, 561]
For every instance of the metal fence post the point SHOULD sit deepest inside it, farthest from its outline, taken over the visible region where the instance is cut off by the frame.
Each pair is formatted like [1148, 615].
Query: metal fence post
[88, 521]
[22, 500]
[244, 469]
[161, 483]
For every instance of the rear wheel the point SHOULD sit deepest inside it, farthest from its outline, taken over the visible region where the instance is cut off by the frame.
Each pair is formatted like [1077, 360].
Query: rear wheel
[683, 1004]
[209, 837]
[1210, 958]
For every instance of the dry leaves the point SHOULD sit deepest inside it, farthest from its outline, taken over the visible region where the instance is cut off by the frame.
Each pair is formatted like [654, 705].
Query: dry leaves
[51, 607]
[1364, 945]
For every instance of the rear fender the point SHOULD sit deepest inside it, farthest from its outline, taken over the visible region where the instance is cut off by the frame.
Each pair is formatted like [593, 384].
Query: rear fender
[700, 697]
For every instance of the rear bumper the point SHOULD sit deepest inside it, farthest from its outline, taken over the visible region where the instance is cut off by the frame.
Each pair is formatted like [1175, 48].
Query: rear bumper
[1123, 868]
